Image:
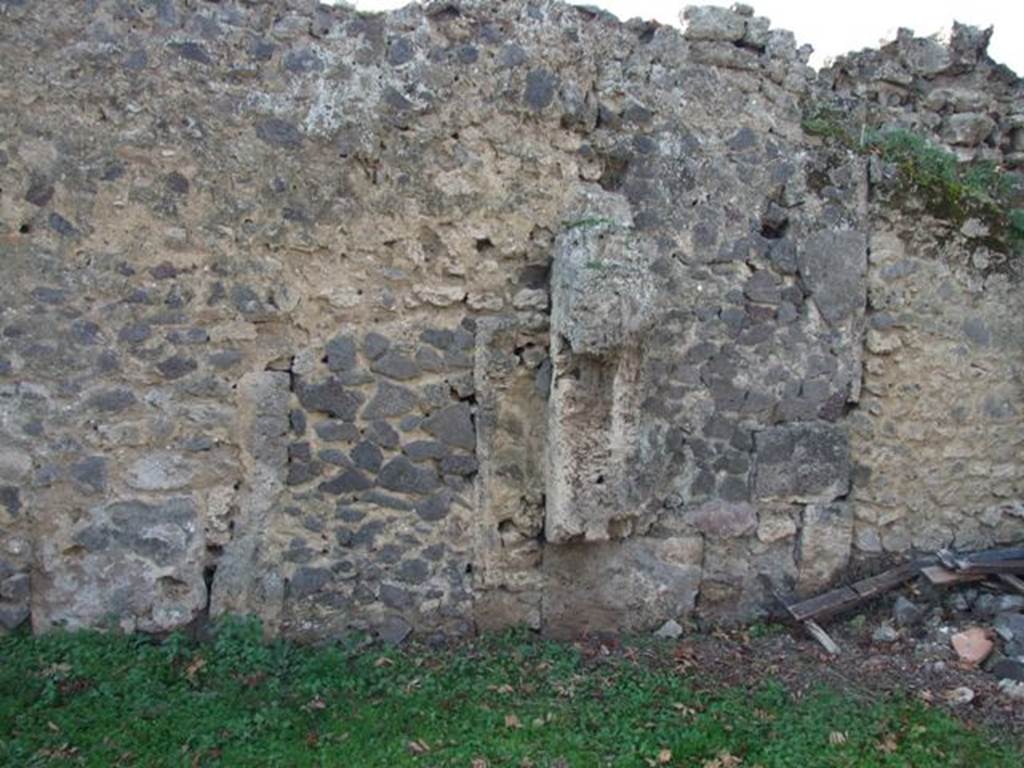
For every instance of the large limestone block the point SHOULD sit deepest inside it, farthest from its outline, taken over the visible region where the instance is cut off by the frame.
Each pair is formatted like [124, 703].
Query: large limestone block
[604, 302]
[633, 585]
[603, 288]
[825, 542]
[132, 562]
[709, 22]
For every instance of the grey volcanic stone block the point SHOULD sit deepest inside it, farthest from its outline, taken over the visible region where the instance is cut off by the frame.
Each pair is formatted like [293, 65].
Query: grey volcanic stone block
[341, 353]
[375, 345]
[396, 597]
[367, 456]
[423, 450]
[540, 89]
[330, 397]
[176, 366]
[90, 473]
[393, 630]
[337, 431]
[806, 462]
[390, 401]
[13, 616]
[413, 571]
[347, 482]
[386, 501]
[400, 51]
[279, 133]
[833, 266]
[434, 508]
[10, 499]
[453, 426]
[134, 333]
[383, 434]
[396, 365]
[459, 464]
[112, 400]
[403, 476]
[16, 588]
[308, 581]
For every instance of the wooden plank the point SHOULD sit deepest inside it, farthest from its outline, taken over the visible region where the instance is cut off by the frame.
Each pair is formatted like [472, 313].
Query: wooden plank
[1003, 566]
[825, 604]
[819, 634]
[941, 576]
[991, 555]
[841, 599]
[883, 582]
[1015, 582]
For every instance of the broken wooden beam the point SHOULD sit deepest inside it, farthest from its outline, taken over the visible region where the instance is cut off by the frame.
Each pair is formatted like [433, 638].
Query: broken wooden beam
[823, 638]
[941, 576]
[825, 604]
[838, 600]
[1006, 560]
[993, 568]
[1014, 582]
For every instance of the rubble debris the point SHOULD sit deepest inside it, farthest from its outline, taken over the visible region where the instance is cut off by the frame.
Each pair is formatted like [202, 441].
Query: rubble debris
[992, 561]
[886, 633]
[945, 568]
[972, 645]
[961, 695]
[670, 630]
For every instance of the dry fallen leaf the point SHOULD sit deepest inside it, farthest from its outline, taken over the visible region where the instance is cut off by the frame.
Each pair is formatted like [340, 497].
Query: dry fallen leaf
[194, 668]
[383, 661]
[837, 738]
[724, 760]
[888, 744]
[478, 762]
[665, 757]
[418, 747]
[511, 721]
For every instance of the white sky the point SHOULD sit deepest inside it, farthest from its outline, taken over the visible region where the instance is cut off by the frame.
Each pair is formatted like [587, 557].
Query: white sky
[837, 27]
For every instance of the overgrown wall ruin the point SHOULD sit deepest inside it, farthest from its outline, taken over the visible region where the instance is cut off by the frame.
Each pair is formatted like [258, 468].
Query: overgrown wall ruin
[482, 314]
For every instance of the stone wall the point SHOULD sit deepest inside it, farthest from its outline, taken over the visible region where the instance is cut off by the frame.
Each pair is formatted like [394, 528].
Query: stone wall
[483, 313]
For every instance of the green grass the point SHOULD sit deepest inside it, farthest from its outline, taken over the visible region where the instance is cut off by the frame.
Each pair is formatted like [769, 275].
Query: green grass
[509, 700]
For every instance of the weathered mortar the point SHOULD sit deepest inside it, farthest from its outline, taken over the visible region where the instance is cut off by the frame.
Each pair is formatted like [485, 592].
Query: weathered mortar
[480, 314]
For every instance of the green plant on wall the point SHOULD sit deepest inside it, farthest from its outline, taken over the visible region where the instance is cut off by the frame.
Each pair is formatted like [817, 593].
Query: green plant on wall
[951, 190]
[588, 223]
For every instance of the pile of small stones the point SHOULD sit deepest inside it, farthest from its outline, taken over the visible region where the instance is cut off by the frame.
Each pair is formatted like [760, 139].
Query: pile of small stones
[969, 626]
